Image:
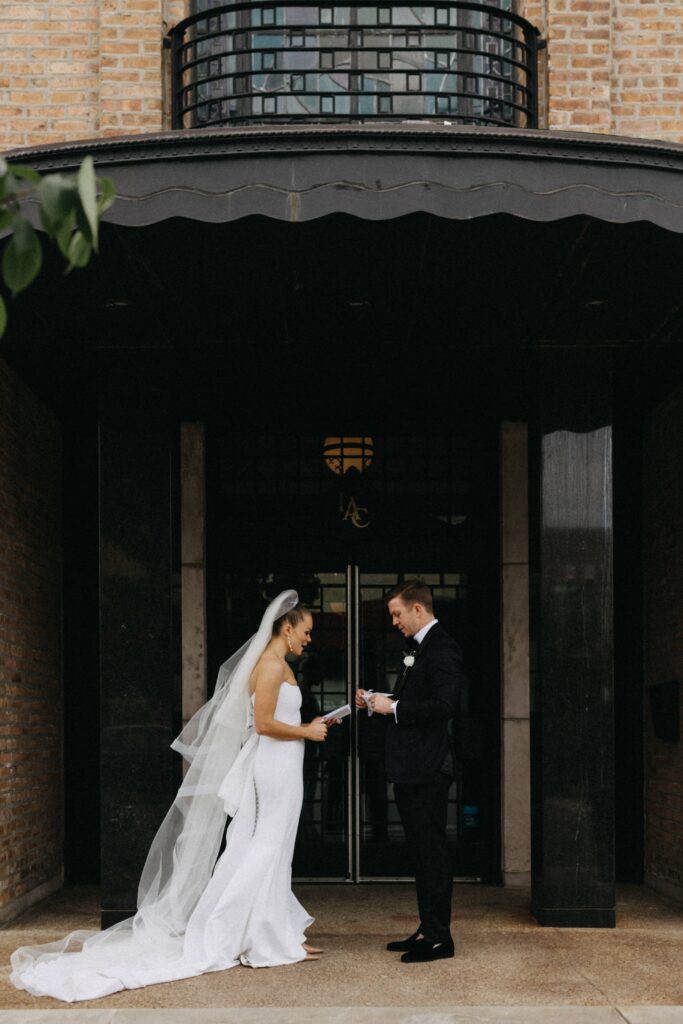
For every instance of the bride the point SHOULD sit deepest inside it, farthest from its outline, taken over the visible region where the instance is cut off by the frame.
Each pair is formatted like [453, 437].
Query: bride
[197, 913]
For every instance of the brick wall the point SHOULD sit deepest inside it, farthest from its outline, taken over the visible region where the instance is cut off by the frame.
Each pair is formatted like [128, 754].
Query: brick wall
[30, 648]
[48, 71]
[81, 69]
[663, 638]
[647, 69]
[89, 68]
[579, 64]
[613, 66]
[132, 63]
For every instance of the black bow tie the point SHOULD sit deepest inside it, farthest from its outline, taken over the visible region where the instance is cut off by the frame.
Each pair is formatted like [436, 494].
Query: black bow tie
[413, 644]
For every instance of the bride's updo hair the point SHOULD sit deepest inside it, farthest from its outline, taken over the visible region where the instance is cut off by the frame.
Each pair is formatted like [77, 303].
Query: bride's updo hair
[291, 618]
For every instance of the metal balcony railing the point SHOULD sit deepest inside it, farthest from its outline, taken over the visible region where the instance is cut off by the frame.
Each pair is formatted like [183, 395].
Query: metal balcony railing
[308, 61]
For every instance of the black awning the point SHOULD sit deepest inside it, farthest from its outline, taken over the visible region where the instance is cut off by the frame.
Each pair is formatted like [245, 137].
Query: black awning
[381, 172]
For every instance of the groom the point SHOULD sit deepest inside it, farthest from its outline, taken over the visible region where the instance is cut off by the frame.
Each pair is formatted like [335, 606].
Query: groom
[419, 760]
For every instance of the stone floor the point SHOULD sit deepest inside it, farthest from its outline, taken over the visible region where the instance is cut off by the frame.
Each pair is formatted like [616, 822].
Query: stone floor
[506, 968]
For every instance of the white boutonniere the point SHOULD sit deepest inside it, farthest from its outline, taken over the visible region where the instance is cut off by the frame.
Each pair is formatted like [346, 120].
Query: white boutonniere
[409, 660]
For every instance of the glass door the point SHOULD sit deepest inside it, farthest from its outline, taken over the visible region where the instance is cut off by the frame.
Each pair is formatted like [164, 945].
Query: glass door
[380, 844]
[350, 828]
[325, 838]
[331, 517]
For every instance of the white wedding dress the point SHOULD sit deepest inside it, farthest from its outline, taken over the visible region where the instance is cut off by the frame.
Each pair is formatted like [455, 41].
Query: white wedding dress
[246, 914]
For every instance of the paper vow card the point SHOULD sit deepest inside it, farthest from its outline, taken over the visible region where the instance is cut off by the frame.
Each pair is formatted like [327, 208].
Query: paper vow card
[339, 713]
[366, 698]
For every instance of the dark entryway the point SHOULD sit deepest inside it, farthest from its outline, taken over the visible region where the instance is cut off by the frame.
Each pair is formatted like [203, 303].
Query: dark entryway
[401, 507]
[432, 323]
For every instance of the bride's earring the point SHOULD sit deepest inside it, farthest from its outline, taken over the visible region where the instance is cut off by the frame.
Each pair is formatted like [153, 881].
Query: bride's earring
[289, 641]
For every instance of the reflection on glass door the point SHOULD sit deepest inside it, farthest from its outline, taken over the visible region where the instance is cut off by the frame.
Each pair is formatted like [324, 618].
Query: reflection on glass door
[324, 842]
[322, 503]
[350, 828]
[380, 844]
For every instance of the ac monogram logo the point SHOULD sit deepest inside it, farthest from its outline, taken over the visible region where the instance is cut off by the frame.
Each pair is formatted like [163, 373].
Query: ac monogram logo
[356, 514]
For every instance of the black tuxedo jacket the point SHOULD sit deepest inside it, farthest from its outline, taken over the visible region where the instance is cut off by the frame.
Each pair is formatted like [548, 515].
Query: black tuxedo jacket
[418, 745]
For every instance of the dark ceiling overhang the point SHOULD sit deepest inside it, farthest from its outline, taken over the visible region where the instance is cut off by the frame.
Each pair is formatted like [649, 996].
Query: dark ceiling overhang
[325, 252]
[379, 173]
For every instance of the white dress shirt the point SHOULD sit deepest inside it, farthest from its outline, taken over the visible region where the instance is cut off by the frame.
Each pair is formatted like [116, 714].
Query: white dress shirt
[422, 633]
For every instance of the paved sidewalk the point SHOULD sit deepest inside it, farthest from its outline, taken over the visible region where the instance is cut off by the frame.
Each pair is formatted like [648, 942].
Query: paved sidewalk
[506, 968]
[359, 1015]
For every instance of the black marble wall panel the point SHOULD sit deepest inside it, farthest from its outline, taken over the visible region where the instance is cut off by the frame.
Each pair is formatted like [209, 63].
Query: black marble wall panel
[573, 705]
[138, 771]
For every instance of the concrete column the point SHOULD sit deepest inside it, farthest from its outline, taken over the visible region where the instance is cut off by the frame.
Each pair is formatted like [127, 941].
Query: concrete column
[193, 567]
[515, 752]
[138, 771]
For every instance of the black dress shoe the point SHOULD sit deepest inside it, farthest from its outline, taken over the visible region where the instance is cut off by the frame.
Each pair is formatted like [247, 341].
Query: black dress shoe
[422, 951]
[402, 945]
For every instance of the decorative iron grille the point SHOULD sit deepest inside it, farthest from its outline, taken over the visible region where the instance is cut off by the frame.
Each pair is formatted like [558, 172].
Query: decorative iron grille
[307, 61]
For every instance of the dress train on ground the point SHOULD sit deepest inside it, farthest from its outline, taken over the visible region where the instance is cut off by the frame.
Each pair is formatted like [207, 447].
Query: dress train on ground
[247, 913]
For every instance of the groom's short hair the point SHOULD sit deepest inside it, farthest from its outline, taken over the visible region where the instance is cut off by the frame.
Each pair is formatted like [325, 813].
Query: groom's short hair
[413, 592]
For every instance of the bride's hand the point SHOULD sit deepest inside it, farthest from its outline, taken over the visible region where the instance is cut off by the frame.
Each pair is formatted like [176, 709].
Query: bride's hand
[317, 730]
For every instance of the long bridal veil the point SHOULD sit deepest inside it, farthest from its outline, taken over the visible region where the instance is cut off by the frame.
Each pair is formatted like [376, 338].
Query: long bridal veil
[182, 855]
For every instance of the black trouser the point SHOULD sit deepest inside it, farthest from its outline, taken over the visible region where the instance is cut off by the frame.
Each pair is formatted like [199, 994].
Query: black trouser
[423, 810]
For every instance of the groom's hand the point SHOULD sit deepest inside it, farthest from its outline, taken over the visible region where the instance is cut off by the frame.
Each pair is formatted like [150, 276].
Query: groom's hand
[360, 699]
[381, 704]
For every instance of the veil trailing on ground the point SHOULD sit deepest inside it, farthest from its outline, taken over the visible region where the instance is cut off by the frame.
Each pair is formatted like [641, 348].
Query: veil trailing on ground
[184, 851]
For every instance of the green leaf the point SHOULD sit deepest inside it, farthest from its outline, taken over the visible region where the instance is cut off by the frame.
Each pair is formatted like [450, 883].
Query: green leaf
[26, 173]
[48, 225]
[8, 186]
[87, 190]
[107, 194]
[3, 316]
[64, 233]
[80, 249]
[82, 223]
[70, 208]
[58, 199]
[22, 257]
